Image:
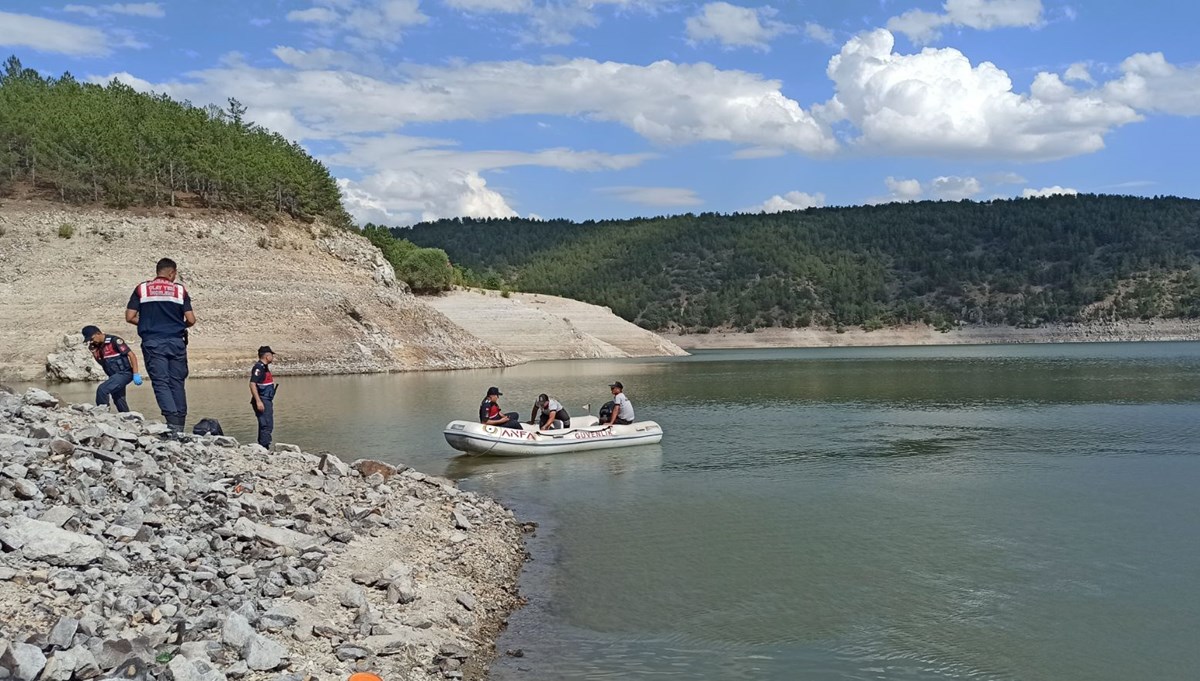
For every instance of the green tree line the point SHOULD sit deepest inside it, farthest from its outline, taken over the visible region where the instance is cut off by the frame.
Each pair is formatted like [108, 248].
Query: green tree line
[1022, 262]
[112, 145]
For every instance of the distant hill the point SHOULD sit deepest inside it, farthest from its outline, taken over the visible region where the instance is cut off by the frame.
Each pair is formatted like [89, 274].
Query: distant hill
[1021, 262]
[112, 146]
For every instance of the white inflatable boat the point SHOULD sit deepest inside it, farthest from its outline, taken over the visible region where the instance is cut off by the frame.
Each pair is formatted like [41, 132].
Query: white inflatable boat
[585, 433]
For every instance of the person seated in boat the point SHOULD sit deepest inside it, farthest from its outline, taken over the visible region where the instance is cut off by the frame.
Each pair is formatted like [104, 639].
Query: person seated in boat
[549, 413]
[622, 412]
[490, 414]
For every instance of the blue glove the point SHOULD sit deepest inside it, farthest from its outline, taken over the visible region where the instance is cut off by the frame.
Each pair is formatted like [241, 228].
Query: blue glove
[137, 379]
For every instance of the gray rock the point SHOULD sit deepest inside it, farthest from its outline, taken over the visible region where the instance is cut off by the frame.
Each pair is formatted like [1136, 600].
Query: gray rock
[237, 631]
[111, 653]
[24, 661]
[466, 600]
[263, 654]
[15, 471]
[401, 590]
[63, 664]
[460, 520]
[58, 516]
[276, 618]
[353, 597]
[190, 669]
[276, 536]
[63, 633]
[390, 644]
[237, 670]
[303, 632]
[62, 446]
[43, 541]
[39, 398]
[26, 489]
[349, 651]
[7, 573]
[200, 650]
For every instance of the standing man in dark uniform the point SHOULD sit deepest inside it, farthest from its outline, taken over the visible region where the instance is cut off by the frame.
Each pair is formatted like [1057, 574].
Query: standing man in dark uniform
[120, 365]
[162, 311]
[262, 394]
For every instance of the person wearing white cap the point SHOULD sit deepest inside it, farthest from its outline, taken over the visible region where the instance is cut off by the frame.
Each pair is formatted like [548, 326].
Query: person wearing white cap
[622, 413]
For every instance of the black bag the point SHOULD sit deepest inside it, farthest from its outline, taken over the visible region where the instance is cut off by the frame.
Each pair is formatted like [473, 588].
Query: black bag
[606, 411]
[208, 427]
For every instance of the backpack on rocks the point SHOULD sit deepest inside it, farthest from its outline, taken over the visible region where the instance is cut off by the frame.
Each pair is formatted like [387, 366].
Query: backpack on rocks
[207, 426]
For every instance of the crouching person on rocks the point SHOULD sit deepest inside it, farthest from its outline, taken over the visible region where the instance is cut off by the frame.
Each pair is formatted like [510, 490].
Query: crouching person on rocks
[262, 394]
[119, 364]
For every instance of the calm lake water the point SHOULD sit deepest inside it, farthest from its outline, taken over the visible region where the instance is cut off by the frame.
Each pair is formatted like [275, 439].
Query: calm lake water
[1000, 512]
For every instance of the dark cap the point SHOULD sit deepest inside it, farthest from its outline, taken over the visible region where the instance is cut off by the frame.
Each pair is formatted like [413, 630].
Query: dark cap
[616, 384]
[543, 398]
[494, 391]
[89, 331]
[264, 350]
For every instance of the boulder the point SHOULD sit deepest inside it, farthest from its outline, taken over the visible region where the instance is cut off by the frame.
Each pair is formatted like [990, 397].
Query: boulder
[72, 361]
[39, 540]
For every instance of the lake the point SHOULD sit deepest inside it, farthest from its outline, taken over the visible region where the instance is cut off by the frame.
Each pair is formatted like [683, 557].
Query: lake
[986, 512]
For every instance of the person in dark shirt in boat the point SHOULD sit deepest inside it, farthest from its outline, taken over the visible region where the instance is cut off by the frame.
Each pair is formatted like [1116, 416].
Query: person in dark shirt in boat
[552, 414]
[490, 414]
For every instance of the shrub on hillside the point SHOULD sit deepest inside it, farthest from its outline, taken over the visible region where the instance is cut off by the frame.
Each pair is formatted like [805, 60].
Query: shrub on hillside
[426, 270]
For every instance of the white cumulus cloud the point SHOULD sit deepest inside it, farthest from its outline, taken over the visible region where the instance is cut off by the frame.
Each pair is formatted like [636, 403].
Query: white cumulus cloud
[936, 103]
[1150, 83]
[735, 26]
[924, 27]
[47, 35]
[1056, 190]
[954, 188]
[665, 102]
[320, 58]
[794, 200]
[404, 197]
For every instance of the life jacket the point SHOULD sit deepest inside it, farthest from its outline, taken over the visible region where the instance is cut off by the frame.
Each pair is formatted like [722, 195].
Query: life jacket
[266, 384]
[161, 304]
[113, 355]
[488, 410]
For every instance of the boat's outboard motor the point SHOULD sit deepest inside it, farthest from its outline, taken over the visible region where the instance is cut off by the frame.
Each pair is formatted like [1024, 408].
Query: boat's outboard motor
[606, 411]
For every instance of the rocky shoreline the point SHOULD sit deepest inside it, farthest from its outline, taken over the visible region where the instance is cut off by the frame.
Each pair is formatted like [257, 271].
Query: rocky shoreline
[919, 334]
[130, 555]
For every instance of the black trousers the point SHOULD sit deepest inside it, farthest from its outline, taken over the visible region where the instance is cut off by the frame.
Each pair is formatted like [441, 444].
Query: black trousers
[167, 366]
[266, 421]
[114, 387]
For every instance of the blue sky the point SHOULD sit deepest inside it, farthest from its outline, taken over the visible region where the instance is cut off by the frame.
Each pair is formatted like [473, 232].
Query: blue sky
[619, 108]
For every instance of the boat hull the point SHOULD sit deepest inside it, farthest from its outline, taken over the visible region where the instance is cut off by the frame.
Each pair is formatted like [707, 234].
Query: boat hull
[478, 439]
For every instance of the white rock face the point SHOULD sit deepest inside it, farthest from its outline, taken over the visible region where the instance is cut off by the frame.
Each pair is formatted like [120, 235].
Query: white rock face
[71, 361]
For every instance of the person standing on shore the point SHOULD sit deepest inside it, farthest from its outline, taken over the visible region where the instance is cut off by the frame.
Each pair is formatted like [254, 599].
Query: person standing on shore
[490, 414]
[162, 311]
[262, 394]
[622, 413]
[119, 364]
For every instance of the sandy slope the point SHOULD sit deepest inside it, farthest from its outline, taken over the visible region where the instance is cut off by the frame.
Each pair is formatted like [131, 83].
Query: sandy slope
[534, 326]
[1154, 330]
[324, 299]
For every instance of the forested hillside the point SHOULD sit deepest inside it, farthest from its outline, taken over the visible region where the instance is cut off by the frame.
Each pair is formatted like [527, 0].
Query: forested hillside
[1019, 262]
[111, 145]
